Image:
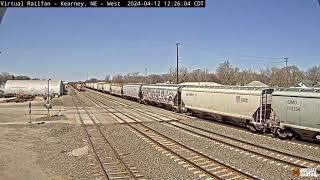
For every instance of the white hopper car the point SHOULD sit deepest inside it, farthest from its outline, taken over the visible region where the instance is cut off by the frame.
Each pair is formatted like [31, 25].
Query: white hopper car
[248, 106]
[132, 91]
[116, 89]
[298, 113]
[164, 95]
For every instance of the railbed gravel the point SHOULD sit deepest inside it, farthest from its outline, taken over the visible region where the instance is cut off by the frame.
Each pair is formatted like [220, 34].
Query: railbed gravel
[151, 163]
[298, 149]
[251, 165]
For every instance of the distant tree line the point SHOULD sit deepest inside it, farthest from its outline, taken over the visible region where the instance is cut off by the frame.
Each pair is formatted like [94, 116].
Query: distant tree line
[4, 76]
[226, 74]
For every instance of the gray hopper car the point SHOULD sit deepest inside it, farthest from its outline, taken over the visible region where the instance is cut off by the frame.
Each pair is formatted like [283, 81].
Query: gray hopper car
[298, 113]
[163, 95]
[132, 91]
[116, 89]
[106, 87]
[248, 106]
[287, 113]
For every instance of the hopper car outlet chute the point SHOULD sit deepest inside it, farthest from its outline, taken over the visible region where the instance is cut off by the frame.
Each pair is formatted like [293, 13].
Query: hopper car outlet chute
[249, 106]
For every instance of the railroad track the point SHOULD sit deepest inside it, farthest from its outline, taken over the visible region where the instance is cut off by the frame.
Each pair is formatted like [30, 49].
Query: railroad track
[200, 164]
[109, 160]
[273, 156]
[249, 149]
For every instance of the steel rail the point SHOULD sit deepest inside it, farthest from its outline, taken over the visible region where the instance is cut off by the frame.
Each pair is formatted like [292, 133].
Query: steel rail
[107, 141]
[170, 139]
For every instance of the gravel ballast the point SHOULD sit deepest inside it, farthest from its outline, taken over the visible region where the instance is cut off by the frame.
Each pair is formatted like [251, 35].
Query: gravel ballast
[299, 149]
[253, 166]
[150, 162]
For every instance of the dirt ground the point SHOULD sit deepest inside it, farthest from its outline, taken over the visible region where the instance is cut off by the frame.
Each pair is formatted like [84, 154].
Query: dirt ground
[54, 149]
[42, 151]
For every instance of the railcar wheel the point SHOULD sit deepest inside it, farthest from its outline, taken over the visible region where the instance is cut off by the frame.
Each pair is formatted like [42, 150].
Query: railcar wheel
[286, 133]
[250, 127]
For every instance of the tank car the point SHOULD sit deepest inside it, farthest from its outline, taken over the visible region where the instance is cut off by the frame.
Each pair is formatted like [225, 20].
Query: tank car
[34, 87]
[246, 106]
[132, 91]
[298, 113]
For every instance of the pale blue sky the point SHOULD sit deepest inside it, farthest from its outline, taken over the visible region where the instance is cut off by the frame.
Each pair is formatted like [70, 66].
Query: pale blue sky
[67, 43]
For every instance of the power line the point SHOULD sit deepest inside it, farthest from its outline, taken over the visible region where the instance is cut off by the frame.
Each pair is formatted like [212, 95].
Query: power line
[259, 57]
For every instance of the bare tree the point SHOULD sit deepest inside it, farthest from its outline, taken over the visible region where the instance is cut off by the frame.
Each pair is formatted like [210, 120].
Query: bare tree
[117, 79]
[183, 75]
[227, 74]
[5, 76]
[22, 78]
[313, 74]
[93, 80]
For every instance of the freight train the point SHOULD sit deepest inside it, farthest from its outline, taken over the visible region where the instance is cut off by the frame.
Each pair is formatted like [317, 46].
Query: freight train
[286, 113]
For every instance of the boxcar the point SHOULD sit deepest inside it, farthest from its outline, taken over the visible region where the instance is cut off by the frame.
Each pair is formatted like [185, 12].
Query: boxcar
[116, 89]
[132, 91]
[246, 106]
[298, 111]
[164, 95]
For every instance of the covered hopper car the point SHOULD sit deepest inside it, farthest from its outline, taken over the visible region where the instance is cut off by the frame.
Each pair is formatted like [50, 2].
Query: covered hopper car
[106, 87]
[164, 95]
[132, 91]
[287, 113]
[298, 113]
[248, 106]
[116, 89]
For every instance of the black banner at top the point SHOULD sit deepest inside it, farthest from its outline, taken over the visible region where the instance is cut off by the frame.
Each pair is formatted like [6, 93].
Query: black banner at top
[103, 3]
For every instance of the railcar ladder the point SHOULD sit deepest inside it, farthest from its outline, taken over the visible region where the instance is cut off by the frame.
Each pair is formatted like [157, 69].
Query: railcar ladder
[262, 114]
[178, 99]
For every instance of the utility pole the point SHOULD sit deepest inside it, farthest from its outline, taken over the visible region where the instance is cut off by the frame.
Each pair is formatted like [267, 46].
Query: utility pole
[178, 62]
[286, 61]
[145, 75]
[205, 75]
[87, 76]
[287, 74]
[48, 105]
